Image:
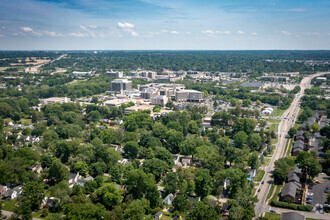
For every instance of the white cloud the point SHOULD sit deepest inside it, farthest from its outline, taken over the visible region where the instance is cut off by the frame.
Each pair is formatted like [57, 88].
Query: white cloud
[1, 35]
[297, 9]
[208, 32]
[285, 33]
[226, 32]
[127, 27]
[174, 32]
[53, 34]
[93, 26]
[30, 30]
[188, 32]
[240, 32]
[90, 32]
[77, 35]
[254, 33]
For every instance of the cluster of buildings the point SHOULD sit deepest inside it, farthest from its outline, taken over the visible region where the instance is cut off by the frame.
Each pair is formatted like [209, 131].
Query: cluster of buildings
[289, 190]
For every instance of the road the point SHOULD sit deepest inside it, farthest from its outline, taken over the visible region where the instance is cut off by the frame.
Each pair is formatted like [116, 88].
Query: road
[287, 121]
[58, 58]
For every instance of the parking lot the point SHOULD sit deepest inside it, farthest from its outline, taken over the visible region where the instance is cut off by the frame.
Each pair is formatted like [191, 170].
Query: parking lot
[319, 196]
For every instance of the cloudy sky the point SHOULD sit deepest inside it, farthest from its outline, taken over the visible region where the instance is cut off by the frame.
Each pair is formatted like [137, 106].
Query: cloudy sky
[164, 24]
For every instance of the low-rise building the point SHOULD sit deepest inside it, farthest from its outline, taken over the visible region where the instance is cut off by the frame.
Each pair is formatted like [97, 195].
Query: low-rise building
[53, 100]
[160, 100]
[138, 108]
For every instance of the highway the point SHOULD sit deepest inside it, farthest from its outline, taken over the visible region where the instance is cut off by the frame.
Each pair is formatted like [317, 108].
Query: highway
[287, 121]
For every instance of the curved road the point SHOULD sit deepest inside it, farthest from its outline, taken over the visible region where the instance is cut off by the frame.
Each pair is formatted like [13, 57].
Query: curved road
[287, 121]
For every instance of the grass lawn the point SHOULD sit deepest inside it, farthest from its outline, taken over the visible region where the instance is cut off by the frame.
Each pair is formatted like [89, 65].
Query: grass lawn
[289, 148]
[9, 205]
[165, 217]
[260, 175]
[274, 121]
[39, 213]
[267, 160]
[272, 216]
[277, 192]
[277, 112]
[271, 190]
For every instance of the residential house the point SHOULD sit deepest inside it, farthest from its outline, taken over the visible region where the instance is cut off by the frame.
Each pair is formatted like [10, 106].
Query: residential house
[13, 193]
[311, 121]
[169, 199]
[303, 127]
[300, 135]
[81, 181]
[3, 190]
[298, 147]
[36, 168]
[158, 215]
[73, 179]
[289, 191]
[294, 176]
[252, 173]
[186, 162]
[52, 201]
[291, 216]
[194, 199]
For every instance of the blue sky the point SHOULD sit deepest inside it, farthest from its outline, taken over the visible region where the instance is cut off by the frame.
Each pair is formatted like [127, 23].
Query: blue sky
[164, 24]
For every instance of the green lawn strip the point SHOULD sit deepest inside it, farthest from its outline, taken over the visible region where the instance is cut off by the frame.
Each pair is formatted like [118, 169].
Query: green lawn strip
[277, 191]
[271, 190]
[277, 111]
[272, 216]
[9, 205]
[289, 149]
[286, 146]
[260, 175]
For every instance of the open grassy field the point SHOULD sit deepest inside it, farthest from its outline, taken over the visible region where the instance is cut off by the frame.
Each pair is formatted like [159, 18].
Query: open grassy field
[277, 112]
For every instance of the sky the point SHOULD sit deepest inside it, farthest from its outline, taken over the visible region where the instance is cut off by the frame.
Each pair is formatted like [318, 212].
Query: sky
[164, 24]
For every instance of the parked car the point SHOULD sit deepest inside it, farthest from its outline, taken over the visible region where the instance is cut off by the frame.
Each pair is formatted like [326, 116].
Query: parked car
[317, 182]
[309, 201]
[262, 182]
[310, 194]
[309, 198]
[272, 211]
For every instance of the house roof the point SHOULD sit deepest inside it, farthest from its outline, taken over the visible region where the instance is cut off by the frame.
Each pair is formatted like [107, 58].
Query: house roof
[299, 133]
[289, 189]
[158, 214]
[294, 172]
[292, 216]
[170, 197]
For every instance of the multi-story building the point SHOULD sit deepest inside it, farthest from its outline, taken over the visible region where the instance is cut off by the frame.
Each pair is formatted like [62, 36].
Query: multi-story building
[159, 100]
[188, 96]
[121, 85]
[115, 74]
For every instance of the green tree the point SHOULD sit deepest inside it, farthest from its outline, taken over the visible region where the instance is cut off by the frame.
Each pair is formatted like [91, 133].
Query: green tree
[58, 171]
[155, 166]
[254, 161]
[308, 164]
[81, 167]
[33, 193]
[292, 131]
[315, 127]
[180, 202]
[204, 211]
[240, 139]
[136, 210]
[193, 127]
[203, 183]
[325, 131]
[254, 141]
[171, 183]
[131, 149]
[109, 195]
